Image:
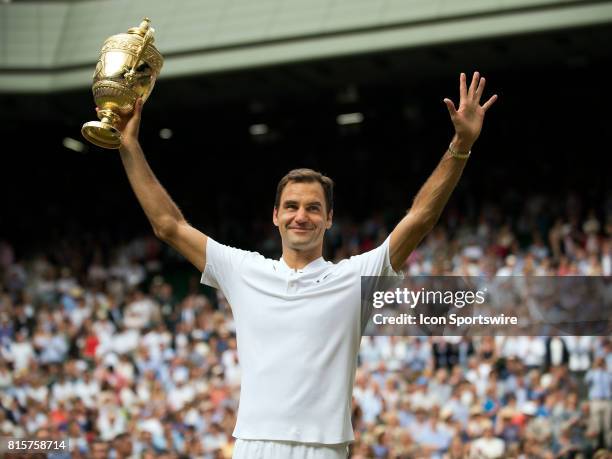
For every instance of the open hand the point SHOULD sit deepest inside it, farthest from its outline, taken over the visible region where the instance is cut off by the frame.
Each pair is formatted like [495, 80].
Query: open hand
[470, 115]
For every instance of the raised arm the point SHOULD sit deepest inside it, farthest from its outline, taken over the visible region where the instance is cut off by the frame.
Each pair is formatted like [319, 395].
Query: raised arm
[434, 194]
[164, 215]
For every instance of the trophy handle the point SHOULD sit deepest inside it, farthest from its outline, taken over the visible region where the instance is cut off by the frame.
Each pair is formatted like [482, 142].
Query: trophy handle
[147, 39]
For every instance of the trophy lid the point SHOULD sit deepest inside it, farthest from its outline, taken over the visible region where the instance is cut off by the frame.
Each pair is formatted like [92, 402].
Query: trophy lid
[139, 42]
[142, 29]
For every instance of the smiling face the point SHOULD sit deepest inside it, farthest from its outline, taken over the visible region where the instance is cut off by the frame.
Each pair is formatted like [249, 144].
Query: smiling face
[302, 217]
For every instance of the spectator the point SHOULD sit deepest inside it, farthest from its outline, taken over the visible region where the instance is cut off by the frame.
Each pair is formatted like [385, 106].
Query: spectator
[599, 382]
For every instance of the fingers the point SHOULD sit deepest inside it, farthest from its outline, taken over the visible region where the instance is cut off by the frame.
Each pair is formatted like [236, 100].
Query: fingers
[473, 85]
[138, 107]
[451, 107]
[475, 91]
[480, 89]
[462, 89]
[489, 102]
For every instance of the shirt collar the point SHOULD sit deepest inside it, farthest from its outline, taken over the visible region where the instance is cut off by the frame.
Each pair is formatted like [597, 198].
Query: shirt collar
[312, 266]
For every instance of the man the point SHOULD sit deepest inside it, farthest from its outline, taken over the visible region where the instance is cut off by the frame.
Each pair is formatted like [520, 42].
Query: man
[99, 449]
[599, 382]
[298, 319]
[488, 446]
[123, 446]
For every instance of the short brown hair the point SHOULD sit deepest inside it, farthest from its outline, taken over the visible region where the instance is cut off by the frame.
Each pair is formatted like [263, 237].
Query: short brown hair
[305, 175]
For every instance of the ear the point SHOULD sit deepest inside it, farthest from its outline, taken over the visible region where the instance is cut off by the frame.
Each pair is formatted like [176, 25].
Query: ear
[275, 216]
[330, 218]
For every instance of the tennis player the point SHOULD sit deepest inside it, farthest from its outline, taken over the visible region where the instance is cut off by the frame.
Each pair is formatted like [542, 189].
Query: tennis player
[299, 319]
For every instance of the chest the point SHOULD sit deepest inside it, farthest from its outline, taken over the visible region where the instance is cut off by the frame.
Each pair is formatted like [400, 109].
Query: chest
[281, 300]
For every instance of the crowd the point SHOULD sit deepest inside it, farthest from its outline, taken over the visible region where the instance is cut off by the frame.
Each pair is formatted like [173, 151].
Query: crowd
[98, 348]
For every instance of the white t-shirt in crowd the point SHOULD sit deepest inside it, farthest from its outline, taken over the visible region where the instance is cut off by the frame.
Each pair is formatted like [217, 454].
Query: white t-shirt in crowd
[298, 334]
[487, 448]
[21, 354]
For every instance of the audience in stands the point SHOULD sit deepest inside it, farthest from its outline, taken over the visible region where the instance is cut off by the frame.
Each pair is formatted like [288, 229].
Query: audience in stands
[97, 347]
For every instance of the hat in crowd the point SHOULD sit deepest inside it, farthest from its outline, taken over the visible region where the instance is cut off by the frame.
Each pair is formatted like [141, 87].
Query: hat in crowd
[76, 292]
[81, 365]
[546, 380]
[487, 424]
[111, 359]
[473, 251]
[180, 375]
[529, 408]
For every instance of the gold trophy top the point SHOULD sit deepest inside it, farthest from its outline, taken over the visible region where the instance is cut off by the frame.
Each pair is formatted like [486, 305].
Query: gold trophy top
[127, 69]
[142, 29]
[137, 42]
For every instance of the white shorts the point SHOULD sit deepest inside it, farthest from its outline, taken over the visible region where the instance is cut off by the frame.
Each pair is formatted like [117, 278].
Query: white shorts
[268, 449]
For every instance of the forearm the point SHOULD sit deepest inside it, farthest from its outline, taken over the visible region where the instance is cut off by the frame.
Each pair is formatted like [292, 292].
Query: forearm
[162, 212]
[435, 193]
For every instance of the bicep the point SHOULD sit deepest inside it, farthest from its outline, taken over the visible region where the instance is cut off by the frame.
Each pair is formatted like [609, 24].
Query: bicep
[191, 243]
[405, 237]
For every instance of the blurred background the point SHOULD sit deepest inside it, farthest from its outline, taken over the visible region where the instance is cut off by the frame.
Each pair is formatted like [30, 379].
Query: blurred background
[105, 331]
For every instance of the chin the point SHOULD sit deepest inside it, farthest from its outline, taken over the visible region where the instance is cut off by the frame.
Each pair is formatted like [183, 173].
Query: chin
[299, 244]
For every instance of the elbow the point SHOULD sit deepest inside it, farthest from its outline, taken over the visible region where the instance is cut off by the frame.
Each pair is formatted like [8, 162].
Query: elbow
[165, 228]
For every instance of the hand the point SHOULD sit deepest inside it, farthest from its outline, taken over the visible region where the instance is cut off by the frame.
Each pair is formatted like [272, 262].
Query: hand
[470, 115]
[129, 123]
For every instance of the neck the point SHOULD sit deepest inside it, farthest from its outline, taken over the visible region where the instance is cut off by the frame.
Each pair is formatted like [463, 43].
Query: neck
[297, 259]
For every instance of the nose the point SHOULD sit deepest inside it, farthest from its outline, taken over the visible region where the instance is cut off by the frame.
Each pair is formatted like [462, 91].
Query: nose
[300, 216]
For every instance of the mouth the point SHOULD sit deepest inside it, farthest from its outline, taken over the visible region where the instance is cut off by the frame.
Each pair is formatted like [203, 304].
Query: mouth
[299, 230]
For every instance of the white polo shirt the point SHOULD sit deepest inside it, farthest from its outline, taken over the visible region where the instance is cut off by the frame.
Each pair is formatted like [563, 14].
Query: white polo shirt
[298, 334]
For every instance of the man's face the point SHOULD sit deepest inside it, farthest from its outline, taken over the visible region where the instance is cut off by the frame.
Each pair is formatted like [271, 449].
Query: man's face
[99, 450]
[302, 216]
[123, 446]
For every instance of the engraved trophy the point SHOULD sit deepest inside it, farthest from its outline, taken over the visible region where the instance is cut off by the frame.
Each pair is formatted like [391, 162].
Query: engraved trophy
[127, 69]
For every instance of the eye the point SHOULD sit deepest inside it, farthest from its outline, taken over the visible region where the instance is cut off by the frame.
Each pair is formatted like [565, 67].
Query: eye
[313, 208]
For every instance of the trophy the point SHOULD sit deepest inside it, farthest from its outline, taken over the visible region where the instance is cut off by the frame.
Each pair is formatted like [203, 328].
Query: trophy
[127, 69]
